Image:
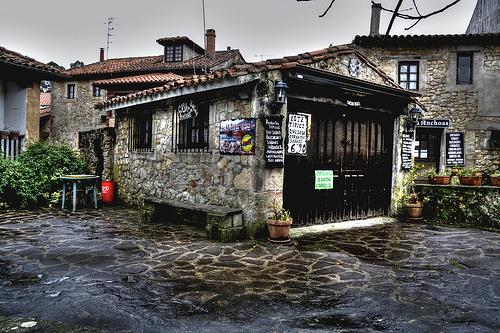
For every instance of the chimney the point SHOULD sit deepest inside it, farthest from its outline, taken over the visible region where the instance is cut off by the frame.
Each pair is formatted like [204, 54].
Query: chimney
[101, 54]
[375, 21]
[210, 40]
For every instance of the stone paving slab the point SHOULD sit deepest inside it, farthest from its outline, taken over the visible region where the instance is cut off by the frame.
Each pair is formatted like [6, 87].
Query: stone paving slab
[107, 270]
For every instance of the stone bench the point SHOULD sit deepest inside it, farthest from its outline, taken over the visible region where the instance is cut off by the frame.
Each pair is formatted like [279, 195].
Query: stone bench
[224, 224]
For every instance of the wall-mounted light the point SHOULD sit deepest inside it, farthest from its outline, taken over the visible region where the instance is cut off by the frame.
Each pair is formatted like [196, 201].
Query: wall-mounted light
[414, 115]
[280, 89]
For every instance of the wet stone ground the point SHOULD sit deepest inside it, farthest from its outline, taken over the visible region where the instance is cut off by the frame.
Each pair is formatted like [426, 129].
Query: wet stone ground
[107, 270]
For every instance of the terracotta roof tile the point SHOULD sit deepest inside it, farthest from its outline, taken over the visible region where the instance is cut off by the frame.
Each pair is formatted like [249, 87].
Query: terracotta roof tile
[12, 58]
[138, 79]
[239, 70]
[45, 103]
[149, 64]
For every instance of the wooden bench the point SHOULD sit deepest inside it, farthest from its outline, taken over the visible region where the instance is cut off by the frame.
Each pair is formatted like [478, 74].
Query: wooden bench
[221, 223]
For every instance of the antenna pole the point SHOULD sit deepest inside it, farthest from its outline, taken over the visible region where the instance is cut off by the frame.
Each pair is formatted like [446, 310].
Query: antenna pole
[108, 35]
[204, 31]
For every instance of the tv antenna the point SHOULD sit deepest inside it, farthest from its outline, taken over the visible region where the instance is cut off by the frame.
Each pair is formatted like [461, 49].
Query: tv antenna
[262, 56]
[109, 23]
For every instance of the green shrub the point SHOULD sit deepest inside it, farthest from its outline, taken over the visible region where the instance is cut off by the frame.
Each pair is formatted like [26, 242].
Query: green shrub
[33, 178]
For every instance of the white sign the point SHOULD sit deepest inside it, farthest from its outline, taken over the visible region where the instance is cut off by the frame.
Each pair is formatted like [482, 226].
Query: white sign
[297, 134]
[187, 110]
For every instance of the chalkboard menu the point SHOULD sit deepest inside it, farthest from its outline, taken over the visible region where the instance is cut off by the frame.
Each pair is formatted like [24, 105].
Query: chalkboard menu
[406, 151]
[455, 148]
[274, 153]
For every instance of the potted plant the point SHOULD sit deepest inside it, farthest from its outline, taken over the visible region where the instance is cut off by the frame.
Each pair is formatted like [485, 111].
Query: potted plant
[470, 176]
[440, 178]
[4, 135]
[495, 178]
[278, 224]
[412, 201]
[415, 205]
[14, 135]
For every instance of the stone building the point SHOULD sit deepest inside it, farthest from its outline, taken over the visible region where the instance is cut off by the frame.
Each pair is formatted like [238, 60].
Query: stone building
[20, 78]
[457, 77]
[225, 140]
[74, 96]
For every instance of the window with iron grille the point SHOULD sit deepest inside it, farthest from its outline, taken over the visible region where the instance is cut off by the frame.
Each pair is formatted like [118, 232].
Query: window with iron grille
[464, 68]
[495, 139]
[71, 91]
[141, 132]
[173, 53]
[408, 75]
[191, 135]
[96, 91]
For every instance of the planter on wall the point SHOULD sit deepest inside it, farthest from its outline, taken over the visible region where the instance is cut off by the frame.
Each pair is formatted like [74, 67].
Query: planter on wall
[14, 135]
[495, 181]
[471, 181]
[440, 180]
[4, 135]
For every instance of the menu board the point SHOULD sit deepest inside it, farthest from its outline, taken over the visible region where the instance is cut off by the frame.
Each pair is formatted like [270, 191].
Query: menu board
[455, 148]
[274, 153]
[406, 151]
[297, 134]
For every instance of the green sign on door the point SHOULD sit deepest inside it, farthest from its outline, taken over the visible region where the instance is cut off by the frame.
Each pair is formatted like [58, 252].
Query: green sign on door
[323, 179]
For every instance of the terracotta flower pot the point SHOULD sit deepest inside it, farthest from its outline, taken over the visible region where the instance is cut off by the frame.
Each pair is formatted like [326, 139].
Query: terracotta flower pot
[414, 210]
[471, 181]
[495, 181]
[14, 135]
[4, 135]
[279, 231]
[440, 180]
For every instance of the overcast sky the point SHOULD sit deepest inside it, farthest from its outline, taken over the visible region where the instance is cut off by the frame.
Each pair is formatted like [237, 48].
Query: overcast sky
[63, 31]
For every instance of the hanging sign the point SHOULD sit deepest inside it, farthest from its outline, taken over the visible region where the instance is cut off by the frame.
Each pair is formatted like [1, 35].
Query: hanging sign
[434, 123]
[323, 179]
[187, 110]
[455, 148]
[237, 136]
[406, 151]
[274, 153]
[297, 134]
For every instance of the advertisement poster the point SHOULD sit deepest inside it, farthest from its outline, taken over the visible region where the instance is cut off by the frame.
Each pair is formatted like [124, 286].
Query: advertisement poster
[297, 134]
[323, 179]
[237, 136]
[274, 153]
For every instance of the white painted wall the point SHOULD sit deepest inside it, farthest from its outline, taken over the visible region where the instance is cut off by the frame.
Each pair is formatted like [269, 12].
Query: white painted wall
[15, 107]
[2, 105]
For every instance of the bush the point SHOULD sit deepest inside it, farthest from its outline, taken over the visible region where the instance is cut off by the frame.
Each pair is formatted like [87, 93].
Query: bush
[33, 179]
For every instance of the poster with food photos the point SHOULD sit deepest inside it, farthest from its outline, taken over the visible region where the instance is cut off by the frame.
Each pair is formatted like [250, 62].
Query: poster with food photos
[237, 136]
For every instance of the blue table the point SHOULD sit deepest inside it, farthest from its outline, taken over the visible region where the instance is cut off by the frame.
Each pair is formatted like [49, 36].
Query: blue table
[73, 181]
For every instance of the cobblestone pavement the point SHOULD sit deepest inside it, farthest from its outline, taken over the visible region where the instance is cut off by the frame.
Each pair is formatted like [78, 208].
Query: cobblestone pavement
[105, 269]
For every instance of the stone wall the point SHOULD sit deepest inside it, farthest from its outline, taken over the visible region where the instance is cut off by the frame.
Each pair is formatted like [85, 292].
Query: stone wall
[70, 116]
[33, 113]
[237, 181]
[471, 108]
[96, 147]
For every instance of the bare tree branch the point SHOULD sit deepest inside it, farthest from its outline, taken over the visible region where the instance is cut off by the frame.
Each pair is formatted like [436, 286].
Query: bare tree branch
[420, 17]
[395, 13]
[326, 11]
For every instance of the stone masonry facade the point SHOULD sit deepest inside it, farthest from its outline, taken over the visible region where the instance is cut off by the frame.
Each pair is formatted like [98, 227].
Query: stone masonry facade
[71, 116]
[470, 108]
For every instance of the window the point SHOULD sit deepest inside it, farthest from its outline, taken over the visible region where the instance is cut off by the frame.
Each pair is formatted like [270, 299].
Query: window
[71, 91]
[464, 68]
[141, 132]
[495, 139]
[408, 75]
[96, 91]
[192, 134]
[173, 53]
[427, 146]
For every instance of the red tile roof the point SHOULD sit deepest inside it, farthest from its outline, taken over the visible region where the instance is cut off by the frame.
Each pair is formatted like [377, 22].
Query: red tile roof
[45, 103]
[138, 79]
[11, 58]
[150, 64]
[249, 68]
[183, 40]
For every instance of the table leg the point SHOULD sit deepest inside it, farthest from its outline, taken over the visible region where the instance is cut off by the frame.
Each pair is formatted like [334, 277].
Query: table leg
[95, 195]
[74, 196]
[63, 195]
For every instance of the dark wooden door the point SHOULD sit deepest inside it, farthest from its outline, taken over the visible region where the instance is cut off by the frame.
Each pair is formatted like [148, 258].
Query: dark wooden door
[357, 145]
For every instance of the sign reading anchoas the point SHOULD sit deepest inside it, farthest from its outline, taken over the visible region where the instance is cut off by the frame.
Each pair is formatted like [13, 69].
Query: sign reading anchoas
[297, 134]
[187, 110]
[434, 123]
